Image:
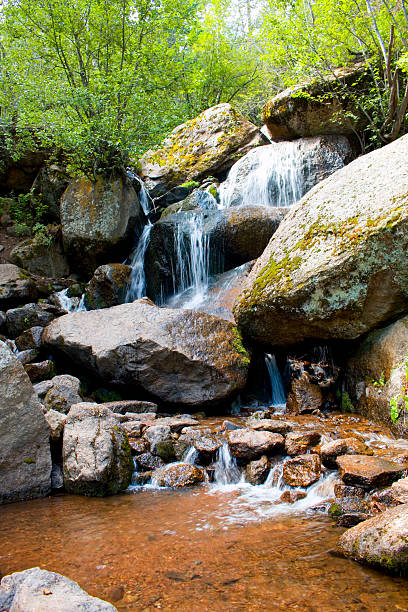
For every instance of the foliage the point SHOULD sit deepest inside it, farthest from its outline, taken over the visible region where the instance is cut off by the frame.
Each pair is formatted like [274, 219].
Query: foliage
[399, 403]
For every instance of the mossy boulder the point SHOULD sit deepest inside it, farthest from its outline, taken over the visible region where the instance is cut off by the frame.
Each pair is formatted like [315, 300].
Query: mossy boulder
[16, 286]
[108, 286]
[44, 257]
[206, 145]
[337, 265]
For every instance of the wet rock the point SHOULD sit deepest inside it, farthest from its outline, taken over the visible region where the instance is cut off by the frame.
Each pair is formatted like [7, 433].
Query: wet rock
[249, 444]
[304, 397]
[30, 315]
[298, 443]
[257, 471]
[182, 357]
[368, 472]
[322, 107]
[44, 370]
[400, 490]
[141, 478]
[148, 462]
[16, 286]
[42, 257]
[279, 427]
[56, 422]
[99, 221]
[344, 446]
[336, 266]
[63, 394]
[381, 541]
[179, 475]
[137, 445]
[97, 459]
[108, 286]
[291, 497]
[349, 511]
[302, 471]
[342, 490]
[178, 422]
[207, 145]
[25, 459]
[156, 434]
[35, 590]
[229, 426]
[30, 338]
[131, 406]
[204, 441]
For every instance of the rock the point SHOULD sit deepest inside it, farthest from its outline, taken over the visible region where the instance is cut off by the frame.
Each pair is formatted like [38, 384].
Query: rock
[156, 434]
[30, 315]
[376, 373]
[37, 590]
[131, 406]
[368, 472]
[178, 422]
[108, 286]
[16, 286]
[257, 471]
[30, 338]
[314, 108]
[299, 442]
[27, 356]
[204, 441]
[179, 475]
[141, 478]
[400, 490]
[197, 200]
[342, 490]
[147, 462]
[336, 266]
[349, 511]
[381, 541]
[166, 450]
[279, 427]
[42, 257]
[42, 388]
[291, 497]
[181, 357]
[97, 459]
[43, 370]
[249, 444]
[56, 422]
[206, 145]
[302, 471]
[99, 220]
[344, 446]
[229, 426]
[137, 445]
[3, 320]
[50, 184]
[25, 459]
[132, 428]
[63, 394]
[304, 397]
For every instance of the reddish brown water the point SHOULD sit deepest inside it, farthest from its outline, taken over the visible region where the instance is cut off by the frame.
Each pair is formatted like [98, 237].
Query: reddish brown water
[173, 551]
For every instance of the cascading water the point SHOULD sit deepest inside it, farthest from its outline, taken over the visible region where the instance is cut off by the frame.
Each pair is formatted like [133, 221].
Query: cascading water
[226, 471]
[278, 397]
[70, 304]
[137, 285]
[144, 197]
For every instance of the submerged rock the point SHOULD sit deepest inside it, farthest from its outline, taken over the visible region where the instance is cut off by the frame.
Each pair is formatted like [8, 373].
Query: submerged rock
[37, 590]
[182, 357]
[368, 472]
[381, 541]
[337, 265]
[25, 458]
[345, 446]
[302, 471]
[250, 444]
[108, 286]
[179, 475]
[279, 427]
[97, 458]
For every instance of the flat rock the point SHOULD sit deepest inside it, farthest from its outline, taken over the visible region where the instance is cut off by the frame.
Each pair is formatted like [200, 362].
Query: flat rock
[134, 406]
[368, 472]
[250, 444]
[179, 475]
[344, 446]
[279, 427]
[299, 442]
[302, 471]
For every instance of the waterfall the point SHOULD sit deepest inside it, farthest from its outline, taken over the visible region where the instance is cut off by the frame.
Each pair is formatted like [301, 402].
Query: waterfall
[137, 285]
[70, 304]
[144, 197]
[271, 175]
[278, 396]
[226, 470]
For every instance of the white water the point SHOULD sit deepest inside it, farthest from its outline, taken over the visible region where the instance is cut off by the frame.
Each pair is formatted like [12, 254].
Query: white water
[137, 287]
[70, 304]
[226, 471]
[143, 195]
[278, 397]
[270, 175]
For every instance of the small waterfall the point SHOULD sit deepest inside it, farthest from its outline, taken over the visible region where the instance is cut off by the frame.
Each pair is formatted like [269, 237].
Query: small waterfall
[226, 470]
[190, 456]
[137, 285]
[278, 396]
[271, 175]
[144, 197]
[70, 304]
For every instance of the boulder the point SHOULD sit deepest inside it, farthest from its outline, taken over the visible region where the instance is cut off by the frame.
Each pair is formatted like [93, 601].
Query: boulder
[257, 471]
[250, 444]
[368, 472]
[30, 315]
[400, 491]
[16, 286]
[42, 257]
[100, 221]
[131, 406]
[299, 442]
[37, 590]
[181, 357]
[344, 446]
[178, 475]
[206, 145]
[63, 394]
[25, 459]
[318, 107]
[291, 496]
[44, 370]
[349, 511]
[108, 286]
[302, 471]
[30, 338]
[376, 373]
[145, 461]
[337, 265]
[156, 434]
[304, 397]
[56, 422]
[42, 388]
[97, 459]
[381, 541]
[49, 185]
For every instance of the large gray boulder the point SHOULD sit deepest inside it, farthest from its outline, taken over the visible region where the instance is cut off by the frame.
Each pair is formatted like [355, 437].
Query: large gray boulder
[37, 590]
[381, 541]
[180, 357]
[97, 458]
[99, 220]
[30, 315]
[25, 459]
[206, 145]
[337, 265]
